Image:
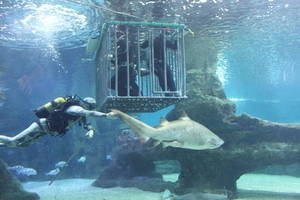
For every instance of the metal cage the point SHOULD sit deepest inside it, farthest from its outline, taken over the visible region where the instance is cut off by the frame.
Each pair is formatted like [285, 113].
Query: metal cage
[140, 67]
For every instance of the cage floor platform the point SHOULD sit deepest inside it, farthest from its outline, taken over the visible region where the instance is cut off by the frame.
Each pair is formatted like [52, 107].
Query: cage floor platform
[139, 104]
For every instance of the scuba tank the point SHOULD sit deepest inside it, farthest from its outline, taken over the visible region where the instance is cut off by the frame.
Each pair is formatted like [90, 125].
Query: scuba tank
[44, 110]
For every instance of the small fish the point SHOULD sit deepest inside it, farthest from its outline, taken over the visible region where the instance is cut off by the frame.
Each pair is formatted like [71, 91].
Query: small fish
[82, 159]
[2, 95]
[22, 171]
[15, 168]
[108, 157]
[53, 172]
[27, 172]
[61, 164]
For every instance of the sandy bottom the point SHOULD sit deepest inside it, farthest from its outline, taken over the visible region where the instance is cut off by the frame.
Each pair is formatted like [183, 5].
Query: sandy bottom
[81, 189]
[268, 187]
[251, 187]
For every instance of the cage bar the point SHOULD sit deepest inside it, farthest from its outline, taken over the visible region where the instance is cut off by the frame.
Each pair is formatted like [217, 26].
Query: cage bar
[140, 66]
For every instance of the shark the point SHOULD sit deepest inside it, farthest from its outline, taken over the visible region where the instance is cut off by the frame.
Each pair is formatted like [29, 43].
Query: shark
[181, 133]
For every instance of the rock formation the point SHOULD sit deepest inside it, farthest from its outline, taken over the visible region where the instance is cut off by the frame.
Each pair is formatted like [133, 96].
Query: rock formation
[131, 168]
[10, 188]
[250, 143]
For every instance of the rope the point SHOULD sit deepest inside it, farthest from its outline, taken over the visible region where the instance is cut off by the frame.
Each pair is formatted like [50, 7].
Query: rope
[67, 163]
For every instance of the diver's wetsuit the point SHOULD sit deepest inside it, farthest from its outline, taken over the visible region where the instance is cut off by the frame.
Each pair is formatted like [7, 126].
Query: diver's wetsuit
[122, 69]
[56, 124]
[58, 120]
[122, 82]
[159, 60]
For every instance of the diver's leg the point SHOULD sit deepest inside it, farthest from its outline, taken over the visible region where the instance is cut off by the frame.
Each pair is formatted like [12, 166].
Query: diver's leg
[170, 80]
[134, 89]
[159, 72]
[122, 82]
[113, 82]
[30, 134]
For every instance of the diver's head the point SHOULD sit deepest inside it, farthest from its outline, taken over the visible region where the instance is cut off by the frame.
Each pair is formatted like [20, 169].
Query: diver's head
[90, 103]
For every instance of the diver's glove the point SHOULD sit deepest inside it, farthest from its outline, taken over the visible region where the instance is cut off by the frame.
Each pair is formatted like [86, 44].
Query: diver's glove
[90, 133]
[111, 115]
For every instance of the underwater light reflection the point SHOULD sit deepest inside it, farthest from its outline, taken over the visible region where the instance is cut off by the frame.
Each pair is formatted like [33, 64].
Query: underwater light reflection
[30, 24]
[55, 19]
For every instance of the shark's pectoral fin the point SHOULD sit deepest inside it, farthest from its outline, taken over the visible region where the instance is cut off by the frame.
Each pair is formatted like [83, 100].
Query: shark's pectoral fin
[174, 143]
[143, 139]
[156, 143]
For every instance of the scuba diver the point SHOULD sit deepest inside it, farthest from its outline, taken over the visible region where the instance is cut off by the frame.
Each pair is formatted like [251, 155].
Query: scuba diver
[55, 118]
[126, 62]
[161, 68]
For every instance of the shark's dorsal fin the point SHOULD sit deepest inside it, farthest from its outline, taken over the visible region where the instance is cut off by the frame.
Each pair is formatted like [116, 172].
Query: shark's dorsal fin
[184, 116]
[163, 121]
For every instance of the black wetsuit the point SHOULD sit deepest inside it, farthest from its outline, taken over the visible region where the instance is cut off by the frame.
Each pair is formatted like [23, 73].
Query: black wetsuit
[122, 71]
[58, 120]
[159, 60]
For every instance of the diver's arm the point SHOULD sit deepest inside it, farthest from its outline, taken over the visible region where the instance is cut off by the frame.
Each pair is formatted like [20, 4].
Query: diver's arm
[80, 111]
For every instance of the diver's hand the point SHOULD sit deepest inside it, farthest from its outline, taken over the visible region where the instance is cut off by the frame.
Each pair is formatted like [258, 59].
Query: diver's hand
[90, 133]
[111, 115]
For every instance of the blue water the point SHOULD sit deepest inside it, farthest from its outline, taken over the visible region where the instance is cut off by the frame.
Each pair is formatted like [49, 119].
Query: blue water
[261, 63]
[42, 55]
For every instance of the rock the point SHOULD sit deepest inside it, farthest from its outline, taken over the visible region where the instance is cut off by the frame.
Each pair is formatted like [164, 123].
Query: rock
[133, 170]
[130, 168]
[10, 187]
[250, 143]
[167, 166]
[142, 182]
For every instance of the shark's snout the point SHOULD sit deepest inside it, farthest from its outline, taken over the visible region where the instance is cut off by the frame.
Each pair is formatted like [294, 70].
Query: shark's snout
[215, 143]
